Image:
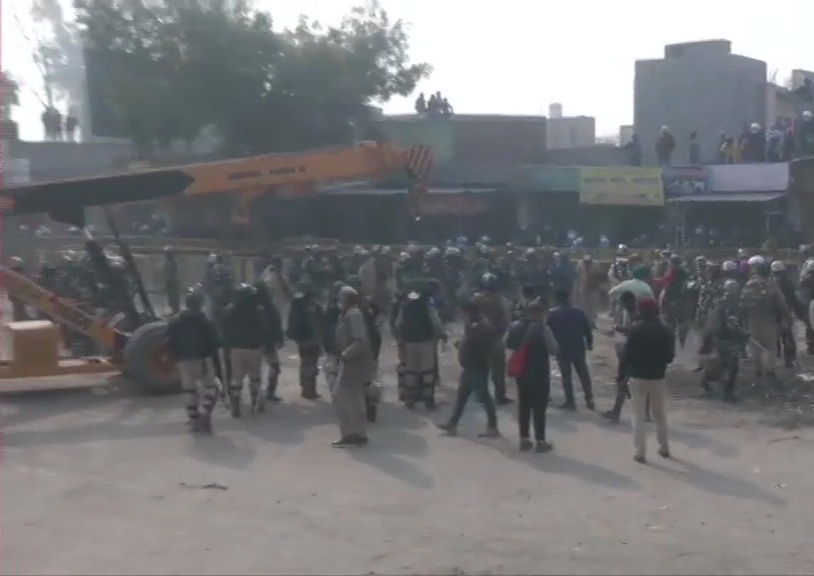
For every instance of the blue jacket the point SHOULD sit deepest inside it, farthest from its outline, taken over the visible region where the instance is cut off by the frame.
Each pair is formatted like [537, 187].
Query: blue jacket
[572, 330]
[563, 277]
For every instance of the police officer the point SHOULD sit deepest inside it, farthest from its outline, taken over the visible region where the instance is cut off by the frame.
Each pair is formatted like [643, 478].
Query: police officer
[805, 294]
[494, 306]
[726, 328]
[275, 339]
[245, 336]
[419, 328]
[193, 345]
[372, 314]
[787, 344]
[171, 280]
[766, 313]
[306, 327]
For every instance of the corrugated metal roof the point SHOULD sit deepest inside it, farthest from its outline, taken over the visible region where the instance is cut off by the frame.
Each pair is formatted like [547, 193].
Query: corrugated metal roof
[746, 197]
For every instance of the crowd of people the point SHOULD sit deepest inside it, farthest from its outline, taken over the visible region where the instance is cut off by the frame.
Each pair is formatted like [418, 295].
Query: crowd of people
[781, 142]
[522, 312]
[435, 106]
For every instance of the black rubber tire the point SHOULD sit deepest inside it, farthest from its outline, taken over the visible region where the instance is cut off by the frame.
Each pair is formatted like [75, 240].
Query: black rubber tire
[138, 365]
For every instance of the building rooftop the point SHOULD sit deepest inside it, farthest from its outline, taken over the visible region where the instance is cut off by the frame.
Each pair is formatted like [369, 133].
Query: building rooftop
[464, 117]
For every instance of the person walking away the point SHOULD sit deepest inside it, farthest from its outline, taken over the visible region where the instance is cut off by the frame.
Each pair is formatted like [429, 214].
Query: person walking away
[590, 279]
[532, 337]
[306, 326]
[572, 330]
[496, 309]
[563, 273]
[766, 312]
[788, 343]
[726, 331]
[419, 328]
[172, 282]
[628, 315]
[648, 350]
[194, 347]
[474, 353]
[356, 367]
[275, 339]
[671, 288]
[279, 289]
[528, 294]
[245, 335]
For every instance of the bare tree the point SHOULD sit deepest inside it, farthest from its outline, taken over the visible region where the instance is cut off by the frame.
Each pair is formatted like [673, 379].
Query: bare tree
[43, 56]
[63, 48]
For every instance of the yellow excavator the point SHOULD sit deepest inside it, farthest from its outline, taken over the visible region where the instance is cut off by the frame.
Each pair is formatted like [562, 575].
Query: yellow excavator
[139, 350]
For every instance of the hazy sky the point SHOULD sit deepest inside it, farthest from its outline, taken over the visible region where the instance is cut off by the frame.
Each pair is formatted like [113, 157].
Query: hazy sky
[517, 56]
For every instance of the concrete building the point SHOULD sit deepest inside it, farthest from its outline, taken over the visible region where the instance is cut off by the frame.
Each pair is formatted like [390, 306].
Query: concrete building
[626, 134]
[568, 131]
[782, 106]
[697, 86]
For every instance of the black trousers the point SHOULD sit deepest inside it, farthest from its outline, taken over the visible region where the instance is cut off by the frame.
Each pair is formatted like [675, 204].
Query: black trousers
[579, 364]
[532, 403]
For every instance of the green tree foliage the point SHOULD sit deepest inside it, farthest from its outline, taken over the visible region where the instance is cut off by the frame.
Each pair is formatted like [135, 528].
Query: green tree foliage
[183, 65]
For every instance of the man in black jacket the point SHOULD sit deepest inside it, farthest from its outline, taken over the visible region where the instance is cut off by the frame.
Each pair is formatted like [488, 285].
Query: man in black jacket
[649, 349]
[245, 336]
[475, 357]
[534, 383]
[193, 345]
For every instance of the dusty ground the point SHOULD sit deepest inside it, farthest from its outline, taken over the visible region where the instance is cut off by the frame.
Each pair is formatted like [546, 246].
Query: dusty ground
[102, 482]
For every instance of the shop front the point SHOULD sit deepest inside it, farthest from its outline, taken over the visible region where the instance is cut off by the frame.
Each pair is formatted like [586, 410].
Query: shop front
[742, 204]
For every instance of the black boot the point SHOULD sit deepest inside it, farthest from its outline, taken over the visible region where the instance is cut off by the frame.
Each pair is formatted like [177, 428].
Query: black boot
[205, 423]
[271, 387]
[371, 411]
[234, 405]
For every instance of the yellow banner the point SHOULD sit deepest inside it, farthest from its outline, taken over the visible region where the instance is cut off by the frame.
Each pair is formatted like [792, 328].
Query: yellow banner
[617, 186]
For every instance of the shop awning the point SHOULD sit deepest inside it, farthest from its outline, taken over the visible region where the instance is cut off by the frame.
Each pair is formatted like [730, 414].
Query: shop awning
[739, 197]
[369, 191]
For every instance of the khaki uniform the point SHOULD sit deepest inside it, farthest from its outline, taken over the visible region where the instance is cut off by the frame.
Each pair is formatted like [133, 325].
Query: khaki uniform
[765, 307]
[199, 383]
[418, 364]
[589, 281]
[245, 364]
[278, 287]
[355, 370]
[496, 309]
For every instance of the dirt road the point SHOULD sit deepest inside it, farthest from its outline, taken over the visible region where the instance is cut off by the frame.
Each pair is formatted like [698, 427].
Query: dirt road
[99, 482]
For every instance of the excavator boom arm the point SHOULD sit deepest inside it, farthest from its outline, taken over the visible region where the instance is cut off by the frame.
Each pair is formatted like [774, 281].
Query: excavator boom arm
[366, 160]
[246, 177]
